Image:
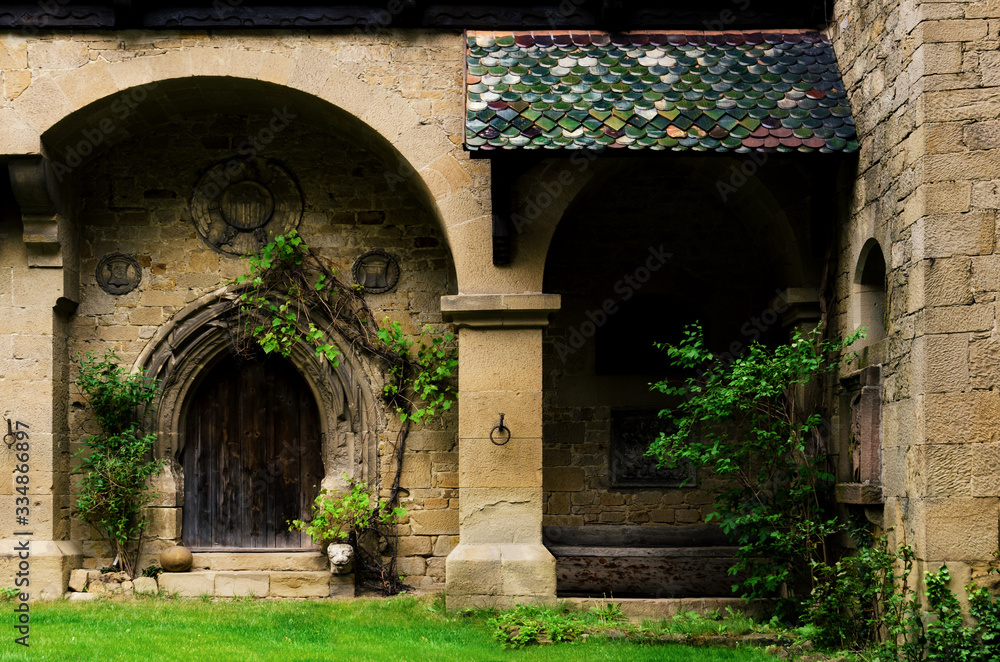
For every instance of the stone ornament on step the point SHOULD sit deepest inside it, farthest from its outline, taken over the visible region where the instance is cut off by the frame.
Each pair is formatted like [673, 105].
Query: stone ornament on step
[341, 558]
[176, 559]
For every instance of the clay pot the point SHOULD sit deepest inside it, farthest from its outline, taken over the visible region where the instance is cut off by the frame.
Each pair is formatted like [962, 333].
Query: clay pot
[176, 559]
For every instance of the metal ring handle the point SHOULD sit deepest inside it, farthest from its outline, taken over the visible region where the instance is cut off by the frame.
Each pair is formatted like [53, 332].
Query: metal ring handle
[502, 428]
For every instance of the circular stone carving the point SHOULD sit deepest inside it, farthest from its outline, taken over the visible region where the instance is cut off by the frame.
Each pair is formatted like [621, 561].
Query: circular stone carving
[247, 205]
[239, 204]
[376, 272]
[176, 559]
[118, 273]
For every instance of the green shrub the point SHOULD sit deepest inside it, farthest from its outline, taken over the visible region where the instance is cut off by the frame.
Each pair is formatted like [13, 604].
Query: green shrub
[745, 423]
[115, 464]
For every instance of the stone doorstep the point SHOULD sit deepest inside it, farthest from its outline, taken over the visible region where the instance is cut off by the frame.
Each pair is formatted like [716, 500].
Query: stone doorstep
[261, 561]
[656, 608]
[261, 584]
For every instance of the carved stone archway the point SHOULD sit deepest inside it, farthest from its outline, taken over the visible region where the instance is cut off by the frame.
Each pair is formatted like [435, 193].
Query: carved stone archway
[186, 349]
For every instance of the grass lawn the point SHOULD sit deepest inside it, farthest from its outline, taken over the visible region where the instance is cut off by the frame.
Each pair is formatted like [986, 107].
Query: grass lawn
[392, 630]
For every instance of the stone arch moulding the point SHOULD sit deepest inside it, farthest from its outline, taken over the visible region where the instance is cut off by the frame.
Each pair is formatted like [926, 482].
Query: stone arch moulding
[869, 292]
[53, 113]
[187, 347]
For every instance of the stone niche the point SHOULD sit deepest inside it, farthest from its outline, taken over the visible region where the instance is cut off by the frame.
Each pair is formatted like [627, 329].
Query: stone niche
[861, 464]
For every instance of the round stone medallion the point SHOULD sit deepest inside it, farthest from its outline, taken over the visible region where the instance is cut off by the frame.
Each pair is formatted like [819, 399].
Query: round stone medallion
[176, 559]
[118, 273]
[376, 272]
[240, 204]
[247, 205]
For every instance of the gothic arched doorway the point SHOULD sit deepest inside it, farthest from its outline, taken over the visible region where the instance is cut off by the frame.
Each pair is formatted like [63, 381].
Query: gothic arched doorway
[252, 456]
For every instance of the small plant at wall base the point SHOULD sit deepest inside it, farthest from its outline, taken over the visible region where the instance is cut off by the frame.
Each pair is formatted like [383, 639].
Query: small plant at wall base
[352, 516]
[744, 422]
[290, 297]
[116, 463]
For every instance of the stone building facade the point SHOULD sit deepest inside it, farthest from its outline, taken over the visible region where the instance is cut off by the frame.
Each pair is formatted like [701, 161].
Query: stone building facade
[108, 133]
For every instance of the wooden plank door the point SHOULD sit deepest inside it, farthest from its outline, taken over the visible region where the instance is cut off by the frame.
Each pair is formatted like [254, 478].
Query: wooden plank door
[252, 458]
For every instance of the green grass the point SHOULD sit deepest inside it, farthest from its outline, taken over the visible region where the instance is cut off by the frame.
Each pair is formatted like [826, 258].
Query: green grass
[394, 630]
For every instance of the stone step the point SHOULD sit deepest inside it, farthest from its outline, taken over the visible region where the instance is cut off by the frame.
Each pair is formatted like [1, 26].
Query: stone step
[260, 584]
[261, 561]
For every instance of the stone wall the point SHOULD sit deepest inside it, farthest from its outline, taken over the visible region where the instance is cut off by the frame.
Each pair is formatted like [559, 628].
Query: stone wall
[921, 78]
[134, 199]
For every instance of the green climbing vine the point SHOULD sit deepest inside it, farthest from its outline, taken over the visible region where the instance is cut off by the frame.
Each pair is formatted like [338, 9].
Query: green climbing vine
[291, 297]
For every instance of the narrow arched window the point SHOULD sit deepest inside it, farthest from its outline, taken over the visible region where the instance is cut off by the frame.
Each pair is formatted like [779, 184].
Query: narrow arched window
[869, 292]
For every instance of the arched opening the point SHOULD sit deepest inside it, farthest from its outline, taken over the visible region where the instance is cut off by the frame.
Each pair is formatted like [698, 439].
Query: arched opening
[870, 292]
[252, 456]
[634, 268]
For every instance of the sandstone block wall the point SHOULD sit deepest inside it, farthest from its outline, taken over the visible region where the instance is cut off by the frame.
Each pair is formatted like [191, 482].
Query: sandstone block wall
[133, 198]
[922, 83]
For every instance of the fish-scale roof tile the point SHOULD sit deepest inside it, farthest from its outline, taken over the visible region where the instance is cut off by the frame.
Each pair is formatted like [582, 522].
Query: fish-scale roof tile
[702, 91]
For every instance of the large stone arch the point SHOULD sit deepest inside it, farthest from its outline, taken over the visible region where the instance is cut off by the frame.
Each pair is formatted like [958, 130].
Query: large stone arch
[546, 192]
[56, 110]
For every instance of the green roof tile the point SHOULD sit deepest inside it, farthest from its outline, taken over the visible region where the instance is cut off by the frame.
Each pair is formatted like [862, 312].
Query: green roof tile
[661, 92]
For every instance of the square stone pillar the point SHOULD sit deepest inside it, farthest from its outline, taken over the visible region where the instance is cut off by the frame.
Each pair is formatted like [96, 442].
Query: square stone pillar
[500, 560]
[38, 289]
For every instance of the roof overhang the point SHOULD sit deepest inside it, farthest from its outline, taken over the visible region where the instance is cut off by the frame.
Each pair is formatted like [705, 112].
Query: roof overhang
[734, 92]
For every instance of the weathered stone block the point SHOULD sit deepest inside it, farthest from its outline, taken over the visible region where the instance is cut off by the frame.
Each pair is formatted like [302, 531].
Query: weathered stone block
[957, 528]
[231, 584]
[444, 545]
[507, 515]
[952, 319]
[473, 570]
[300, 584]
[941, 362]
[63, 54]
[188, 584]
[563, 479]
[414, 546]
[414, 565]
[78, 580]
[342, 586]
[434, 522]
[986, 470]
[527, 570]
[941, 470]
[949, 31]
[515, 464]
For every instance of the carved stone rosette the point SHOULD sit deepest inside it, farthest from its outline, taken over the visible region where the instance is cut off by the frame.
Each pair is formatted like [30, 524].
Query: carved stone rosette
[239, 204]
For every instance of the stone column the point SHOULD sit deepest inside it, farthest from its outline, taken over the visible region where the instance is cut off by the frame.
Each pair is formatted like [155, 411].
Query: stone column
[500, 559]
[38, 289]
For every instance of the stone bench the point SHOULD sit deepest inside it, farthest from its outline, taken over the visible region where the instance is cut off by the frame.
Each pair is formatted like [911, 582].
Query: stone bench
[641, 561]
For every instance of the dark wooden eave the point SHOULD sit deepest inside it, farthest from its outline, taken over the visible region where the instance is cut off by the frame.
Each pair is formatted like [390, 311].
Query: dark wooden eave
[373, 15]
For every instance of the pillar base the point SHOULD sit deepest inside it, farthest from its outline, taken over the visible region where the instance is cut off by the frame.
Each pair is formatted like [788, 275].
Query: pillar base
[499, 575]
[49, 565]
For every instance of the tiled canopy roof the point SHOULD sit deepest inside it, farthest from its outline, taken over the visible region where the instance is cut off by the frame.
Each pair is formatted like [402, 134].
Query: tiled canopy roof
[708, 91]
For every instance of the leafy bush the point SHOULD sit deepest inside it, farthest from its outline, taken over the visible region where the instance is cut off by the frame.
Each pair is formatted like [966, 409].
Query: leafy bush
[745, 423]
[865, 601]
[530, 624]
[948, 638]
[115, 464]
[338, 515]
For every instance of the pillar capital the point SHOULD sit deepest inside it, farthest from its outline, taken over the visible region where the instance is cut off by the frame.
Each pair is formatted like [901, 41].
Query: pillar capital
[500, 310]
